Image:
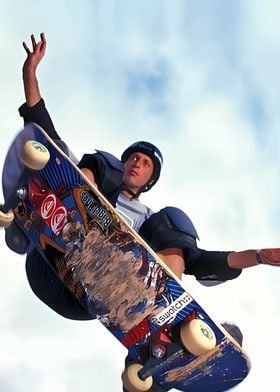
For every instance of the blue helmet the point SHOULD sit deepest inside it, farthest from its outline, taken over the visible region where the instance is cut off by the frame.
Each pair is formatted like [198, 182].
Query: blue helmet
[153, 152]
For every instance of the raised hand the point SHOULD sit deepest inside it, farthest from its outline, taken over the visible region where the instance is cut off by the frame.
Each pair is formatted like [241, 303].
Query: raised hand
[35, 55]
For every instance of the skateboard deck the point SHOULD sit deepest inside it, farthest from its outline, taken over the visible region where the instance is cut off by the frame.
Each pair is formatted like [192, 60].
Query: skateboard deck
[113, 273]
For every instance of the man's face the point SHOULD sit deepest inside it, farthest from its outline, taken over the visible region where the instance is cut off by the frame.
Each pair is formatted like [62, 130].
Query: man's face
[138, 169]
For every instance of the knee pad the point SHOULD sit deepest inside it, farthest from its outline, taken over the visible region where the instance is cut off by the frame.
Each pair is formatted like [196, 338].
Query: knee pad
[169, 228]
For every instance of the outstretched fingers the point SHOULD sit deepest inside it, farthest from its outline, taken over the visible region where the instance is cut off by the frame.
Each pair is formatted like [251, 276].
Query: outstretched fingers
[39, 46]
[43, 43]
[26, 48]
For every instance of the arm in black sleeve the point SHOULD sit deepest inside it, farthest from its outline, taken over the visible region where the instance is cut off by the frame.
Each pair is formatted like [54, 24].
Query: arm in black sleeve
[107, 171]
[39, 115]
[96, 165]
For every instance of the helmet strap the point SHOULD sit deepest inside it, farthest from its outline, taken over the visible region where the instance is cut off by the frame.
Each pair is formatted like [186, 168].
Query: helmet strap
[144, 188]
[132, 194]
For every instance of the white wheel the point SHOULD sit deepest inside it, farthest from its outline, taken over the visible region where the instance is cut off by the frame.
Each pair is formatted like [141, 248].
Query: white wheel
[6, 218]
[197, 337]
[132, 382]
[34, 155]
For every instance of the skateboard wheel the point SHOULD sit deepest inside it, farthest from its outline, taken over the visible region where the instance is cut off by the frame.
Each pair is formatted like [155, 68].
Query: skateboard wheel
[197, 337]
[132, 382]
[6, 218]
[34, 155]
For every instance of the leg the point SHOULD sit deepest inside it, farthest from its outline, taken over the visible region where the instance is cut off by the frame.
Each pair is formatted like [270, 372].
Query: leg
[49, 289]
[174, 259]
[170, 233]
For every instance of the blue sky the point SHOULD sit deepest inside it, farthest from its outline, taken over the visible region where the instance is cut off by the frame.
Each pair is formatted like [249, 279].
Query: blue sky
[201, 80]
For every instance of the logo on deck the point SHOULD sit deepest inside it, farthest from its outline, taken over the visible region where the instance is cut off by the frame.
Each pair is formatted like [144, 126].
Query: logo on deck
[58, 219]
[48, 206]
[53, 214]
[168, 314]
[96, 211]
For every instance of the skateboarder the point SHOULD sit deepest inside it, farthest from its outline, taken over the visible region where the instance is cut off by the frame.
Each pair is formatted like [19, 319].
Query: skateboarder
[170, 232]
[123, 185]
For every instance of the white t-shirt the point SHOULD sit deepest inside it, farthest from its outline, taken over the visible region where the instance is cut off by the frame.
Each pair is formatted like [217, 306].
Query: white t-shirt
[133, 212]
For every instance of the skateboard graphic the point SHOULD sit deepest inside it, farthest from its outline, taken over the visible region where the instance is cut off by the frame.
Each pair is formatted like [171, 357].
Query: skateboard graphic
[116, 276]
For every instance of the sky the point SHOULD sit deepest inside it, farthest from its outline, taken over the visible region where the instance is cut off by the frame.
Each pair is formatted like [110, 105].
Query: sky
[200, 79]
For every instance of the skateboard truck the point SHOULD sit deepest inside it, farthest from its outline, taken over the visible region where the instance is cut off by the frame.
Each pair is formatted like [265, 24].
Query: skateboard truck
[22, 193]
[163, 350]
[174, 351]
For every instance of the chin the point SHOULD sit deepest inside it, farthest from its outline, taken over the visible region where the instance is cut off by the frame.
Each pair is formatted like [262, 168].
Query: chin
[132, 186]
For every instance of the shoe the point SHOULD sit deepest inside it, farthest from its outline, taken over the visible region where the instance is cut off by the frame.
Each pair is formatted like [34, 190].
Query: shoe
[16, 240]
[234, 331]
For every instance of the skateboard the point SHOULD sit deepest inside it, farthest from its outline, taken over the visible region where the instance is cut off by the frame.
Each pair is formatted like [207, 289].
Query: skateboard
[171, 339]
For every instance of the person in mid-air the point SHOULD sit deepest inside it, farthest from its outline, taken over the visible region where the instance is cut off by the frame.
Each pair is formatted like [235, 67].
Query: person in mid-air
[170, 232]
